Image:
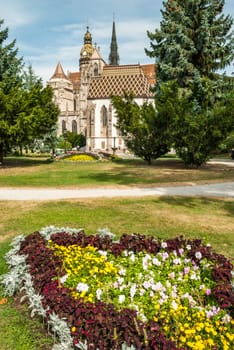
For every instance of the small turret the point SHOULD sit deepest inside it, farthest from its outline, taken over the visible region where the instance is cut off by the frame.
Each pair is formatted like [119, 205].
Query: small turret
[59, 73]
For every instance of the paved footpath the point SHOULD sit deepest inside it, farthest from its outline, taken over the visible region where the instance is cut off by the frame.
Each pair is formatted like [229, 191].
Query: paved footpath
[223, 190]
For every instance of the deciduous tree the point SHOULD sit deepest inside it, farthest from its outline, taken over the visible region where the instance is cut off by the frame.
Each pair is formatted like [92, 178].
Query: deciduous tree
[145, 132]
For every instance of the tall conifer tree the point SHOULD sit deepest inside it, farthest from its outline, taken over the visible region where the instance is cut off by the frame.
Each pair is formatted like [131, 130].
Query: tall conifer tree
[10, 67]
[194, 42]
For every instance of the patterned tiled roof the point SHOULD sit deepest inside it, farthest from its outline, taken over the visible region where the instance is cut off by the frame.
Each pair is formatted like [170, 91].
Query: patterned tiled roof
[117, 79]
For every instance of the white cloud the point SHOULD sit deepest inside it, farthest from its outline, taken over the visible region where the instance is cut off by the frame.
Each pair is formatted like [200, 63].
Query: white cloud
[48, 31]
[15, 14]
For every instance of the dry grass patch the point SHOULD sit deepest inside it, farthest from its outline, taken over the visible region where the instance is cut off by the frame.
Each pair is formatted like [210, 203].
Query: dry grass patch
[165, 217]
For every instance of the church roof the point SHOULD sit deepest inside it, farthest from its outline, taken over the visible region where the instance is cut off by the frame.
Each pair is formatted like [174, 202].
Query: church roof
[149, 71]
[75, 79]
[117, 79]
[59, 73]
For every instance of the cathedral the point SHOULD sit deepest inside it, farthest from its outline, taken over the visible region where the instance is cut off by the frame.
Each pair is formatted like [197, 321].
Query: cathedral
[84, 97]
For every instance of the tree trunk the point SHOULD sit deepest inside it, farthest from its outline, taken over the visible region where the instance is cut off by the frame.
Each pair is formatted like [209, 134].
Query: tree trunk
[1, 153]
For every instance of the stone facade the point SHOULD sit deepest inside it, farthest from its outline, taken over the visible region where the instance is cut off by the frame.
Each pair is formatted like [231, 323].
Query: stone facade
[84, 96]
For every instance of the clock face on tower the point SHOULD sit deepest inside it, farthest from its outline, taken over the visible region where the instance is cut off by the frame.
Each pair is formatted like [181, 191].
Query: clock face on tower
[87, 50]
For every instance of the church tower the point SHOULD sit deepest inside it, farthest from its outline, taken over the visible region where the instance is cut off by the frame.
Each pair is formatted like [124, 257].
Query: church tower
[87, 49]
[114, 56]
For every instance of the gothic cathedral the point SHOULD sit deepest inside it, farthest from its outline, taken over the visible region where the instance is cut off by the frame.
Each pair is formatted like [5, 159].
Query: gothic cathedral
[84, 96]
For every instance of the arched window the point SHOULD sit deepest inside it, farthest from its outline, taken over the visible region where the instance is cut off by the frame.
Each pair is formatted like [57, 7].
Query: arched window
[63, 126]
[103, 117]
[74, 126]
[95, 70]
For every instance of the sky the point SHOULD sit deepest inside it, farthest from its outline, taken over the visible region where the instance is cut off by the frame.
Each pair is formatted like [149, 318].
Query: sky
[52, 31]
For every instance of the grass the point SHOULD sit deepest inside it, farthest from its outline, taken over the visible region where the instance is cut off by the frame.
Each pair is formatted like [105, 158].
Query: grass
[210, 219]
[26, 172]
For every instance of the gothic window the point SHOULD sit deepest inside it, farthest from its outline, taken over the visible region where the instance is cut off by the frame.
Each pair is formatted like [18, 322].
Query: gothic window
[74, 126]
[104, 117]
[63, 126]
[95, 70]
[74, 105]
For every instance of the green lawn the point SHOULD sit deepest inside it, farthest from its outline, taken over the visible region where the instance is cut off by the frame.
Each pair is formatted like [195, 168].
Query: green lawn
[46, 173]
[210, 219]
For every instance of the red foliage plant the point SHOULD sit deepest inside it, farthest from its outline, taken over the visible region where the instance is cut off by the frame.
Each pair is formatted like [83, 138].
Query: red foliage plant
[100, 324]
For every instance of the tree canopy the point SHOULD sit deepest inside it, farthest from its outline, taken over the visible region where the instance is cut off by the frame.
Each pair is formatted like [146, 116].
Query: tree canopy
[146, 133]
[27, 110]
[194, 41]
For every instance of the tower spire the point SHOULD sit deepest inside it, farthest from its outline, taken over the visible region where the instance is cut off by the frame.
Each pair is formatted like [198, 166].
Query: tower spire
[114, 56]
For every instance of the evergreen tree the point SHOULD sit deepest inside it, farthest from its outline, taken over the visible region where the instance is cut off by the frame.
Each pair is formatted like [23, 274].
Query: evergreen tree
[27, 110]
[193, 42]
[145, 131]
[10, 80]
[29, 78]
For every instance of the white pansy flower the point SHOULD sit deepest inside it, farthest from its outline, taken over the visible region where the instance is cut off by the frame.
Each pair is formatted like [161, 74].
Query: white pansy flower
[174, 305]
[98, 293]
[164, 245]
[63, 278]
[133, 291]
[120, 280]
[122, 271]
[115, 284]
[157, 286]
[193, 276]
[121, 298]
[168, 284]
[156, 262]
[132, 257]
[165, 256]
[146, 284]
[198, 255]
[102, 252]
[177, 261]
[82, 287]
[181, 251]
[226, 319]
[145, 260]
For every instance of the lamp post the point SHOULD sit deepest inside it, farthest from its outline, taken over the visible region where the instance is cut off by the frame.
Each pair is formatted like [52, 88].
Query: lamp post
[114, 148]
[65, 140]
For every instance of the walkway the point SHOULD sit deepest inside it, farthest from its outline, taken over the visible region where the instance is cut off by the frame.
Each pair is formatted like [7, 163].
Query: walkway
[223, 190]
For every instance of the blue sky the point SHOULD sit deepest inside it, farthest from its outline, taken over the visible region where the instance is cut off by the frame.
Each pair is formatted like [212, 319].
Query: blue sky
[48, 31]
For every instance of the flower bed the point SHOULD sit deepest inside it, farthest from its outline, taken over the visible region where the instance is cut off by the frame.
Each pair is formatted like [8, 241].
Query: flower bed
[95, 292]
[78, 157]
